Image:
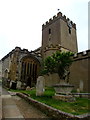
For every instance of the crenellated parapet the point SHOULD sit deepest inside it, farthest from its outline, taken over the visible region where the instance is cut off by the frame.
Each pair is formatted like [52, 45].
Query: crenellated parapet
[76, 56]
[17, 49]
[25, 50]
[82, 55]
[56, 17]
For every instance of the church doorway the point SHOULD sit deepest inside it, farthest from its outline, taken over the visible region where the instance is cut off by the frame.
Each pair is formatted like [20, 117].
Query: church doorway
[29, 70]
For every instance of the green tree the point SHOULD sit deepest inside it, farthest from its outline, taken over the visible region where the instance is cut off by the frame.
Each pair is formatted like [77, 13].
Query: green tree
[59, 63]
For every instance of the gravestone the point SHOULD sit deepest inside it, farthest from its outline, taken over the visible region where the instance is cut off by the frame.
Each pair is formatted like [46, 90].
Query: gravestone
[28, 88]
[19, 84]
[40, 86]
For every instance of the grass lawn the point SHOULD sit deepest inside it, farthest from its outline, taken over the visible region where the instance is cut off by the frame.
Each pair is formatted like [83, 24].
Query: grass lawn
[80, 106]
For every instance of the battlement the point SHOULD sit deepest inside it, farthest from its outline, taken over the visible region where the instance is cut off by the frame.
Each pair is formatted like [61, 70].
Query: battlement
[25, 50]
[82, 55]
[56, 17]
[76, 56]
[17, 48]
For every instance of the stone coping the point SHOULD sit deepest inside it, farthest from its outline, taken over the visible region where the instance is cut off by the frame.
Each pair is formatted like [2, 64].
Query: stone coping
[84, 95]
[80, 93]
[61, 85]
[52, 112]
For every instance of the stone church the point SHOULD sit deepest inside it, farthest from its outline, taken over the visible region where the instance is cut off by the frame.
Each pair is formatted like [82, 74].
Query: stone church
[22, 67]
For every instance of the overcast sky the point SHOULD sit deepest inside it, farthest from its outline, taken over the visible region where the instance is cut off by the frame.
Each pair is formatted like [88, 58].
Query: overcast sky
[21, 22]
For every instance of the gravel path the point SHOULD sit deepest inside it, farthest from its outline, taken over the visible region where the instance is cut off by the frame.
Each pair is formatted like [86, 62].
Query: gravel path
[27, 110]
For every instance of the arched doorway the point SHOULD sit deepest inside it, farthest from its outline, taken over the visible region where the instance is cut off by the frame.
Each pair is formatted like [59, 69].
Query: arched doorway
[29, 70]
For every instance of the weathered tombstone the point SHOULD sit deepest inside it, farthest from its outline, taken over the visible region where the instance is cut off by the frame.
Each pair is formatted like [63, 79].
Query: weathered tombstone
[23, 86]
[10, 84]
[78, 90]
[19, 84]
[40, 86]
[28, 88]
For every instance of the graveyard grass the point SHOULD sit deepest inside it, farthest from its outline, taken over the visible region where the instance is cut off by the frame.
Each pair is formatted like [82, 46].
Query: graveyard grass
[80, 106]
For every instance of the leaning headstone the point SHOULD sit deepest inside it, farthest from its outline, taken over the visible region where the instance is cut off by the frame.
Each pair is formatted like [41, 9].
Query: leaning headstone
[40, 86]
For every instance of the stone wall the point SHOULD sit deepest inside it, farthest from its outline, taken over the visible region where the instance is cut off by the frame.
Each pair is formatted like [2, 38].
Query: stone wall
[52, 112]
[5, 69]
[51, 79]
[0, 69]
[12, 64]
[79, 71]
[5, 65]
[68, 40]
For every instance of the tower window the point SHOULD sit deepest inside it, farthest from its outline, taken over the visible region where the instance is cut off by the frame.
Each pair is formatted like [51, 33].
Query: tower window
[49, 31]
[69, 30]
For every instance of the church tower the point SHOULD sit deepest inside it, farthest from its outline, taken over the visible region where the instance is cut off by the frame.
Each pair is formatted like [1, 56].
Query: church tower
[59, 33]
